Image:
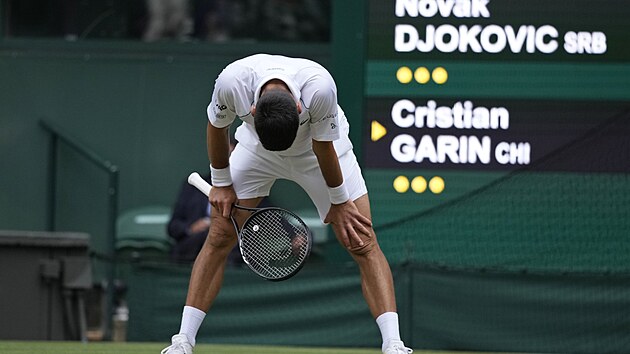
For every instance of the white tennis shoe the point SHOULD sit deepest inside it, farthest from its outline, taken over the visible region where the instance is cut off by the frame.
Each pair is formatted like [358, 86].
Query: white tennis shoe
[180, 345]
[397, 347]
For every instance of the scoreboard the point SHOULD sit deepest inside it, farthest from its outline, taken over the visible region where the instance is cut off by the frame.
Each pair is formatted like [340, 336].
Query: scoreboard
[458, 93]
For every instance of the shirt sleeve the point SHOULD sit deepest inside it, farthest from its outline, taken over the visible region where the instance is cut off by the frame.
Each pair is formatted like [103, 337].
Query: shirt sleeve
[230, 97]
[323, 110]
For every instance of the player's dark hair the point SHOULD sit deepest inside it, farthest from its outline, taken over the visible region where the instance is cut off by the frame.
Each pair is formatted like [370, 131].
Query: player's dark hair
[276, 120]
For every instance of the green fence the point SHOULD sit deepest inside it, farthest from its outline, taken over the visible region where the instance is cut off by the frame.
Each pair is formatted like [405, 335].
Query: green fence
[439, 308]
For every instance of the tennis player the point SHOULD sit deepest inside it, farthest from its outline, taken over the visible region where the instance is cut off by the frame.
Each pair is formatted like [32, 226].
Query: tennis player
[294, 129]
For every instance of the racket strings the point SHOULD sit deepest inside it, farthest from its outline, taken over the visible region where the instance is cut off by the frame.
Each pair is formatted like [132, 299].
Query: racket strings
[274, 243]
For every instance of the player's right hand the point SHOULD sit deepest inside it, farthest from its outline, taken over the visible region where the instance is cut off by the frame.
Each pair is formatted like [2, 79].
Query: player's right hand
[222, 199]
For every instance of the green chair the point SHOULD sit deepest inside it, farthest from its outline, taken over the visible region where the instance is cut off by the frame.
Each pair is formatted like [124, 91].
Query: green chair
[141, 232]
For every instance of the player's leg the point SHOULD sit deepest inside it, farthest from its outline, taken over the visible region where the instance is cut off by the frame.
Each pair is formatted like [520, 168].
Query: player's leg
[205, 281]
[376, 277]
[207, 272]
[207, 277]
[378, 285]
[250, 184]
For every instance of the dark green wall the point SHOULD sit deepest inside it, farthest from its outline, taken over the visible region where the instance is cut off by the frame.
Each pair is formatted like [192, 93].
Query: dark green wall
[439, 308]
[140, 106]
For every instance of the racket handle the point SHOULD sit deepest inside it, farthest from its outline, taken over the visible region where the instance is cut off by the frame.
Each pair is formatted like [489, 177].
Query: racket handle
[196, 180]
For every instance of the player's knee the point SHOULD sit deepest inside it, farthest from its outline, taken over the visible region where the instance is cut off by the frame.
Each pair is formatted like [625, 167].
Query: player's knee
[222, 236]
[368, 246]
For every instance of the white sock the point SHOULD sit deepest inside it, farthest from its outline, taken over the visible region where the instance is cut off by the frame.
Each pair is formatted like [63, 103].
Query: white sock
[191, 321]
[388, 324]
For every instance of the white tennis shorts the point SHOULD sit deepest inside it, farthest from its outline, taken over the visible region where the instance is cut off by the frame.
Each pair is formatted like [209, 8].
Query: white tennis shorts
[253, 175]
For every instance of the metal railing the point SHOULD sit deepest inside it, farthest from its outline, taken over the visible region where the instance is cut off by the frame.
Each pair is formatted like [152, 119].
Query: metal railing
[59, 136]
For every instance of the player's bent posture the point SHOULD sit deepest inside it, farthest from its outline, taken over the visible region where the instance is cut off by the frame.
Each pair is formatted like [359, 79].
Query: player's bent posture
[293, 129]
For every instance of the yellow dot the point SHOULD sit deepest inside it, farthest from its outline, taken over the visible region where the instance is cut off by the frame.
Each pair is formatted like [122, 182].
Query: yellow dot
[440, 75]
[404, 75]
[401, 184]
[419, 184]
[436, 184]
[422, 75]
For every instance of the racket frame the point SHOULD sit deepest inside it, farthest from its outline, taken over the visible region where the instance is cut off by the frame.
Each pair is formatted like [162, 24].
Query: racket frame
[197, 181]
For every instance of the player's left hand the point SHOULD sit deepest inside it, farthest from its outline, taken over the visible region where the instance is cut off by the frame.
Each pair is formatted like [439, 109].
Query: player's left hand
[348, 222]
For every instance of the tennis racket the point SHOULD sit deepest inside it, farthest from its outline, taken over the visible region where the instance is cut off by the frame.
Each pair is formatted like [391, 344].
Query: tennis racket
[274, 242]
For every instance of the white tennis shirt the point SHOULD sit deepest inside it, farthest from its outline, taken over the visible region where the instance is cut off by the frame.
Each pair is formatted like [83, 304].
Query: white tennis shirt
[238, 87]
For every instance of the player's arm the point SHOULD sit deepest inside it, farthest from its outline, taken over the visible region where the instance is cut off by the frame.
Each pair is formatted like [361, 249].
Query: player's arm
[218, 143]
[323, 110]
[343, 215]
[222, 195]
[221, 113]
